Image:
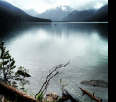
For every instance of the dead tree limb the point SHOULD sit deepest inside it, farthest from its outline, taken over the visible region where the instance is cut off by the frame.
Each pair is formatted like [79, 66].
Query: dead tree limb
[90, 95]
[11, 91]
[52, 73]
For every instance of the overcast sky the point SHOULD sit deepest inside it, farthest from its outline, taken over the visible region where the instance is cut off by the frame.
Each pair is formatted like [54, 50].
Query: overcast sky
[42, 5]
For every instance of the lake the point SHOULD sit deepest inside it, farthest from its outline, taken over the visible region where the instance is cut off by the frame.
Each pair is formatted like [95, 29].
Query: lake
[42, 46]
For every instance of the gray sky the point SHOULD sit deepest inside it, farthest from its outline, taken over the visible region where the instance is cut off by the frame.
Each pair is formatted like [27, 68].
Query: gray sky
[42, 5]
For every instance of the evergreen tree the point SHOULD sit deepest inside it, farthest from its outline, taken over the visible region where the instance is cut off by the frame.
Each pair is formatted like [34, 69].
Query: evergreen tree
[7, 65]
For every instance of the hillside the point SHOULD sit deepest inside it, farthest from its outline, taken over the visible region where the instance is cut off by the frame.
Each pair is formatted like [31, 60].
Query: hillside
[79, 16]
[100, 15]
[10, 13]
[88, 15]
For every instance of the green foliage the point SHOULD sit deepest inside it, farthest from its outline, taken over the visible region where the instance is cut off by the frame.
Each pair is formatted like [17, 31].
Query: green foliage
[7, 66]
[62, 84]
[16, 98]
[22, 69]
[23, 72]
[53, 101]
[40, 97]
[32, 94]
[25, 90]
[60, 81]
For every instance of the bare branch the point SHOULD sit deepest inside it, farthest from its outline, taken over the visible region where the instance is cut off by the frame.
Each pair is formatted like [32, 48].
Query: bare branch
[52, 73]
[90, 95]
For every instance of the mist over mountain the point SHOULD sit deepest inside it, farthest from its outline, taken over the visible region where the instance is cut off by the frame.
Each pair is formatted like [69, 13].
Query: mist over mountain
[31, 12]
[56, 14]
[100, 15]
[88, 15]
[10, 13]
[79, 16]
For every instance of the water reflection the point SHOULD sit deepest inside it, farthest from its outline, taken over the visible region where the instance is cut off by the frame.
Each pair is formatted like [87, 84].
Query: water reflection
[39, 47]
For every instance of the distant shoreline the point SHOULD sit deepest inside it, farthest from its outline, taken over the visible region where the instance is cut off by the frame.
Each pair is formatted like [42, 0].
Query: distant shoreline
[78, 22]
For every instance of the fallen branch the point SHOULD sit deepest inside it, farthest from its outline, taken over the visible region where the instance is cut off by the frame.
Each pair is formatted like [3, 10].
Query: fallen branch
[11, 91]
[52, 73]
[90, 95]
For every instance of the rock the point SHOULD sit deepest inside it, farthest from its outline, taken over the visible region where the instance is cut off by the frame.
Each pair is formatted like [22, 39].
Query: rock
[98, 83]
[51, 97]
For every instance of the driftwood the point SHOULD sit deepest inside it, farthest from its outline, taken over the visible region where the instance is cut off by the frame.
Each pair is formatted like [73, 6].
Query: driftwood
[90, 95]
[72, 97]
[12, 92]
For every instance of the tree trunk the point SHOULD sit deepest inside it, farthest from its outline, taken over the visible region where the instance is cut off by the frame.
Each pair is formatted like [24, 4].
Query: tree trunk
[12, 92]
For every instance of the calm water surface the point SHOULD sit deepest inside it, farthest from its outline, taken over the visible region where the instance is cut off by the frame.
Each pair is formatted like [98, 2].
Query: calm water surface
[42, 46]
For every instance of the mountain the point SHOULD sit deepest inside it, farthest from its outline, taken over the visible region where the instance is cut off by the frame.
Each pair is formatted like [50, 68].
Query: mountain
[79, 16]
[31, 12]
[88, 15]
[100, 15]
[10, 13]
[56, 14]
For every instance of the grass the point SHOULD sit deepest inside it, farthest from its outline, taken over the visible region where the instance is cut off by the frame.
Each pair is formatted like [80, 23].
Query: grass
[8, 98]
[40, 97]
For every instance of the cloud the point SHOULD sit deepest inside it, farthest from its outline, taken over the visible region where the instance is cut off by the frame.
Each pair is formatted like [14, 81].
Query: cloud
[85, 4]
[49, 2]
[42, 5]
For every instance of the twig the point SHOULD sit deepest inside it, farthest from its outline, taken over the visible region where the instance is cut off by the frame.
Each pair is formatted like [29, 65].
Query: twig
[90, 95]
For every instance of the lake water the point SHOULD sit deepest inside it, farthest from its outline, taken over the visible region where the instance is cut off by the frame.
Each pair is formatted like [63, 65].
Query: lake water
[42, 46]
